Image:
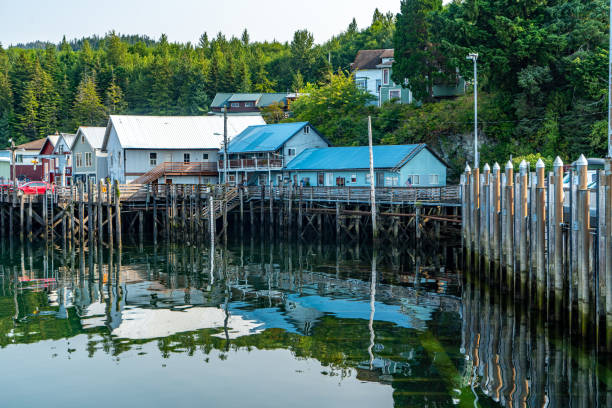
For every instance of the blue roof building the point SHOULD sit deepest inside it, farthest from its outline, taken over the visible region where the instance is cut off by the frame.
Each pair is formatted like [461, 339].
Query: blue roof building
[394, 166]
[259, 153]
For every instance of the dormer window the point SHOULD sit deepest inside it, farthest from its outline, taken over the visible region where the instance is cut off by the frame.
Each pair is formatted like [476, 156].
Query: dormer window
[306, 129]
[385, 75]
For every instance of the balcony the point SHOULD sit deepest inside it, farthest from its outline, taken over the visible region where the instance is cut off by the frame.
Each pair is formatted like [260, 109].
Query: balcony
[252, 164]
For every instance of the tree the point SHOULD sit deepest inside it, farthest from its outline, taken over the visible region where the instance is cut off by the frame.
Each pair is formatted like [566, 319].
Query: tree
[302, 55]
[245, 37]
[298, 82]
[417, 57]
[203, 41]
[273, 113]
[114, 101]
[87, 109]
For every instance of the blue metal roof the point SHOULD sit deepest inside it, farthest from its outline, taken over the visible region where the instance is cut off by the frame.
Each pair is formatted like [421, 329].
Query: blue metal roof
[264, 138]
[344, 158]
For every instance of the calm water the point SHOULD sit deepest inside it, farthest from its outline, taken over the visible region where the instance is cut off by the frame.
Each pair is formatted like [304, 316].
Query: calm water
[275, 325]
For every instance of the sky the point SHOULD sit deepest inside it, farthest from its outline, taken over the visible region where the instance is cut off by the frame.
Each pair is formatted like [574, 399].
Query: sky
[182, 20]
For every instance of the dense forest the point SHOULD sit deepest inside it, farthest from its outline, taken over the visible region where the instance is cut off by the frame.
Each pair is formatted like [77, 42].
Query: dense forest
[542, 78]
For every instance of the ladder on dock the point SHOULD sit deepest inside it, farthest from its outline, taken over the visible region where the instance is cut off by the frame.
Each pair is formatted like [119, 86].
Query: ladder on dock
[48, 205]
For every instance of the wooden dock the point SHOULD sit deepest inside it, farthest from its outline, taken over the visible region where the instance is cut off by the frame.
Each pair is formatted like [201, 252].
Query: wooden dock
[87, 213]
[544, 236]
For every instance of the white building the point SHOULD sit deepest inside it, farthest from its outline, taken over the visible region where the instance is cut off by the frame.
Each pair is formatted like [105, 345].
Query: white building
[168, 149]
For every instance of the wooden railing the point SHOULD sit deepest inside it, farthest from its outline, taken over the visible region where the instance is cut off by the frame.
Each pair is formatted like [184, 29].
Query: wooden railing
[239, 164]
[176, 168]
[446, 194]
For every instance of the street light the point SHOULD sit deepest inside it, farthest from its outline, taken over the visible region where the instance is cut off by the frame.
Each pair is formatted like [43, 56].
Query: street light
[474, 57]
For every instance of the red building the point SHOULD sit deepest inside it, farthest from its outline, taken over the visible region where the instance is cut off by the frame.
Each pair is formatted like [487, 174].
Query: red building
[48, 164]
[27, 164]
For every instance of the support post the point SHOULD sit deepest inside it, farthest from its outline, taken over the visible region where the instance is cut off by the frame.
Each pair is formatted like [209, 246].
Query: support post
[540, 232]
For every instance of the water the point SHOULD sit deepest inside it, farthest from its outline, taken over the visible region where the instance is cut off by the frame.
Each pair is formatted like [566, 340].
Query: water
[276, 325]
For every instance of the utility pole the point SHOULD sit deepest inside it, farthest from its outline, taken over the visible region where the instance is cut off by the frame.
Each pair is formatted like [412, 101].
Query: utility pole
[474, 57]
[225, 146]
[372, 181]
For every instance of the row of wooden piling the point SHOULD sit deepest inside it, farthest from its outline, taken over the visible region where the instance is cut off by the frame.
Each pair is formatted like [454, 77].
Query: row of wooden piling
[540, 236]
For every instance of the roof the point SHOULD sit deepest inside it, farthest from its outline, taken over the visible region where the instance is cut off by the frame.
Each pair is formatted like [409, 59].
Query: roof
[370, 59]
[175, 132]
[33, 145]
[263, 99]
[69, 138]
[94, 136]
[264, 138]
[344, 158]
[244, 97]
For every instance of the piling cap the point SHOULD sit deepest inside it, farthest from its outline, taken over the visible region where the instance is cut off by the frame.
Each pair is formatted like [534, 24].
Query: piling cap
[558, 162]
[468, 169]
[523, 164]
[487, 167]
[582, 161]
[540, 164]
[496, 166]
[509, 165]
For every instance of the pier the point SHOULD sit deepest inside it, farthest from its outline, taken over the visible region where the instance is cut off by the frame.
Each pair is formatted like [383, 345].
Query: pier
[547, 237]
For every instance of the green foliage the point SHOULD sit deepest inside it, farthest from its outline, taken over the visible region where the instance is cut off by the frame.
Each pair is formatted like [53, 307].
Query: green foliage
[88, 109]
[273, 113]
[532, 159]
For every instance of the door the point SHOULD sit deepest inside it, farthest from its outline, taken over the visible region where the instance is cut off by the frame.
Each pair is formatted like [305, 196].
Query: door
[321, 179]
[329, 179]
[380, 179]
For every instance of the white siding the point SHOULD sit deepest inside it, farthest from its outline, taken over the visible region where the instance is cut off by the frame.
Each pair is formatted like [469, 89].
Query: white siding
[302, 141]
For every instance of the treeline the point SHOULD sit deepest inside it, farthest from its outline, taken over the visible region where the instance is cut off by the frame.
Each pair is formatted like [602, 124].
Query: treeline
[47, 88]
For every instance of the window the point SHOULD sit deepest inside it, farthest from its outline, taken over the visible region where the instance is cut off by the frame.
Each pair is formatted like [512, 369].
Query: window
[368, 179]
[340, 181]
[395, 94]
[385, 78]
[82, 139]
[153, 159]
[353, 178]
[231, 178]
[434, 179]
[412, 179]
[362, 83]
[235, 104]
[306, 129]
[378, 85]
[205, 156]
[186, 158]
[249, 104]
[79, 160]
[88, 159]
[321, 179]
[290, 152]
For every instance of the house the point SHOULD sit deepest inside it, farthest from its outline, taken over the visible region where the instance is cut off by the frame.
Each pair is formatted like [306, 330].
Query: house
[48, 161]
[250, 103]
[401, 165]
[168, 149]
[89, 162]
[258, 154]
[27, 165]
[5, 168]
[63, 159]
[373, 69]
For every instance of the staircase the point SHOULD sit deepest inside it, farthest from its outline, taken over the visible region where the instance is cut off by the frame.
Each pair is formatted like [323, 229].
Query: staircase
[177, 169]
[231, 196]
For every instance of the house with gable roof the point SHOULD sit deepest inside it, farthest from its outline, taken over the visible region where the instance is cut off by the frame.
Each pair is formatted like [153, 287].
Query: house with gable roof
[414, 165]
[63, 158]
[88, 159]
[259, 153]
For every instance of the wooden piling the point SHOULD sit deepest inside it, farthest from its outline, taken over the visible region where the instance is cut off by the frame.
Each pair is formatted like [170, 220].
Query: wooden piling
[557, 223]
[540, 237]
[109, 212]
[81, 204]
[496, 209]
[508, 228]
[100, 216]
[117, 199]
[522, 221]
[584, 237]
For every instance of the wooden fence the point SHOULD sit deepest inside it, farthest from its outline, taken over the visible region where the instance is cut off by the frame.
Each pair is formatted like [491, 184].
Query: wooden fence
[545, 234]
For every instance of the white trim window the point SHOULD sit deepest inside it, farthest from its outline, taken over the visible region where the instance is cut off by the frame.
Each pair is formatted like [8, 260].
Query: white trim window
[306, 129]
[249, 104]
[413, 180]
[385, 76]
[88, 159]
[395, 94]
[79, 160]
[291, 152]
[153, 159]
[235, 104]
[361, 83]
[434, 179]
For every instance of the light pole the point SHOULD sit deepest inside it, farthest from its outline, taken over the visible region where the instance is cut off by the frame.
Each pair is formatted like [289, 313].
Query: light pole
[474, 57]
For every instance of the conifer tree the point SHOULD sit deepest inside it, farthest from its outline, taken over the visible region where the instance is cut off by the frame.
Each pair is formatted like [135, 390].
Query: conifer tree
[298, 82]
[114, 101]
[87, 109]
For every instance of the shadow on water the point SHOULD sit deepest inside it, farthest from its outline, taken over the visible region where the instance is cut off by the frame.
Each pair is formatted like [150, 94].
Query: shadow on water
[394, 327]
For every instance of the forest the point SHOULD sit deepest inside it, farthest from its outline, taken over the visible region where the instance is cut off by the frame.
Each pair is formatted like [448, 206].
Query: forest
[543, 74]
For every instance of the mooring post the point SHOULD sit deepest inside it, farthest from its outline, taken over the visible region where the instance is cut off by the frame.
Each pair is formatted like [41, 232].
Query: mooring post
[584, 237]
[337, 222]
[299, 220]
[476, 209]
[71, 230]
[540, 232]
[21, 216]
[140, 227]
[90, 214]
[81, 215]
[467, 209]
[100, 217]
[117, 194]
[109, 213]
[509, 225]
[496, 209]
[417, 221]
[557, 222]
[522, 238]
[241, 194]
[29, 219]
[155, 187]
[262, 206]
[485, 213]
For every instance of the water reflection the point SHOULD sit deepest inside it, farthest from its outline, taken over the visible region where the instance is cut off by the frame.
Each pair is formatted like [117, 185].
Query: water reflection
[389, 327]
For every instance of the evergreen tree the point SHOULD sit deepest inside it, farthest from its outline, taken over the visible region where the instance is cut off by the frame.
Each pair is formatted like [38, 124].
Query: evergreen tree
[88, 109]
[245, 37]
[203, 41]
[244, 76]
[114, 101]
[298, 82]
